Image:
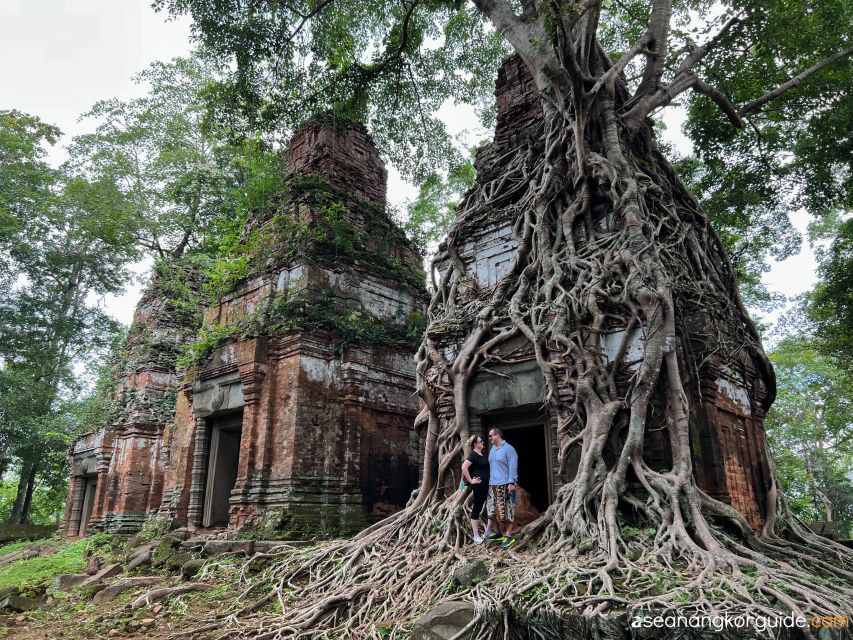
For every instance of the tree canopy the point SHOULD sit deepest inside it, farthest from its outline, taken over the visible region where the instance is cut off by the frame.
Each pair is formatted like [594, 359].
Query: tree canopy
[776, 71]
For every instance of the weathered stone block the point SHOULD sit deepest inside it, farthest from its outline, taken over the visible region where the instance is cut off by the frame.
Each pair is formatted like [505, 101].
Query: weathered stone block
[470, 573]
[20, 603]
[444, 621]
[68, 581]
[216, 547]
[107, 572]
[140, 558]
[110, 592]
[171, 541]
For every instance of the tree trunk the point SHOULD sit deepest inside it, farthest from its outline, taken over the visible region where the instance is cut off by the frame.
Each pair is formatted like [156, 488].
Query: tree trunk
[28, 497]
[21, 495]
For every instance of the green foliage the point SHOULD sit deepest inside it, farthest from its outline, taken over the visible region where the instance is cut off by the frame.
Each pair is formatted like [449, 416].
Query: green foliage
[392, 65]
[36, 573]
[177, 281]
[228, 242]
[750, 217]
[66, 241]
[306, 311]
[177, 178]
[795, 148]
[210, 337]
[26, 180]
[830, 304]
[317, 223]
[17, 546]
[433, 211]
[155, 526]
[48, 498]
[385, 63]
[810, 430]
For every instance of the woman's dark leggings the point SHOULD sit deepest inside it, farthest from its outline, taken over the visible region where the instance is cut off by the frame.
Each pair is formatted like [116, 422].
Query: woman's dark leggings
[480, 492]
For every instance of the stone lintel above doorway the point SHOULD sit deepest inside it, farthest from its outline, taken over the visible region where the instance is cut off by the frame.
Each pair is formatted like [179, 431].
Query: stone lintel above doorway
[524, 387]
[217, 395]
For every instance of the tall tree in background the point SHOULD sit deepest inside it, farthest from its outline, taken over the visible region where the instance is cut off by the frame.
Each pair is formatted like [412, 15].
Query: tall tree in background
[764, 83]
[188, 181]
[810, 427]
[169, 168]
[68, 241]
[830, 305]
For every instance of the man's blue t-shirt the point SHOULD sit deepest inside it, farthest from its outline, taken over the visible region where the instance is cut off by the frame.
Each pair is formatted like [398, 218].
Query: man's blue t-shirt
[503, 464]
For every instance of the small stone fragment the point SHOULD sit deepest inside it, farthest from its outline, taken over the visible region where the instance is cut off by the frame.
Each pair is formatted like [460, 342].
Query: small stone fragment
[191, 568]
[112, 633]
[157, 609]
[93, 565]
[107, 572]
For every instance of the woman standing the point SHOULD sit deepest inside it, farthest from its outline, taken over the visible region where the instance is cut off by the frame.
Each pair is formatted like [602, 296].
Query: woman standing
[475, 471]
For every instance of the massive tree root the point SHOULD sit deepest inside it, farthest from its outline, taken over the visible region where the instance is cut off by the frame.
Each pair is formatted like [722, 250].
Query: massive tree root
[607, 237]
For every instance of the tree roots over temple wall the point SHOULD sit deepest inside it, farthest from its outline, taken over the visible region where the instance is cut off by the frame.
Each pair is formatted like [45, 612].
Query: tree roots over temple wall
[621, 536]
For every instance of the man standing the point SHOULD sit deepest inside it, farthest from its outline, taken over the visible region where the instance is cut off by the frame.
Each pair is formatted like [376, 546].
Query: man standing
[503, 475]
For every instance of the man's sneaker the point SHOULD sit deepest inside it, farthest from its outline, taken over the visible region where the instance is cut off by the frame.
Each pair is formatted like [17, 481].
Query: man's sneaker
[478, 540]
[494, 536]
[508, 542]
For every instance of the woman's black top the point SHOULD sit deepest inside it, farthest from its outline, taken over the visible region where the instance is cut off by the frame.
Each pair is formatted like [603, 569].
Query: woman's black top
[479, 467]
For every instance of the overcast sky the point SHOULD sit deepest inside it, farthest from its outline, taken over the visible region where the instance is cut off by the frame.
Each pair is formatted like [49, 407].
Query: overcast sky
[60, 56]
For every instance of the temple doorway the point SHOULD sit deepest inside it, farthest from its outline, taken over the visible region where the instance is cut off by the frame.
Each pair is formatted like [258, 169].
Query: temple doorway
[529, 435]
[89, 486]
[222, 464]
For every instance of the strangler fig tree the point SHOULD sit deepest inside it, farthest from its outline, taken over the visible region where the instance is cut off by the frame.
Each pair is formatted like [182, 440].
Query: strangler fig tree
[607, 239]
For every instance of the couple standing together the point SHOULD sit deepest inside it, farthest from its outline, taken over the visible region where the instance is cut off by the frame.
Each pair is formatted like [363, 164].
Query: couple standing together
[492, 478]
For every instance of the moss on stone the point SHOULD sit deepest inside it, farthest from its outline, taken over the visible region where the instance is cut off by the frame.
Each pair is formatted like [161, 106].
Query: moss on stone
[304, 522]
[307, 311]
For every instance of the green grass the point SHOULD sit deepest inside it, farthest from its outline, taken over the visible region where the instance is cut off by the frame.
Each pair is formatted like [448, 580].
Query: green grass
[39, 571]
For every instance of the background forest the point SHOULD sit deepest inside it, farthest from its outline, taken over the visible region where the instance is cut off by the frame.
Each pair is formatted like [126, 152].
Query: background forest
[172, 178]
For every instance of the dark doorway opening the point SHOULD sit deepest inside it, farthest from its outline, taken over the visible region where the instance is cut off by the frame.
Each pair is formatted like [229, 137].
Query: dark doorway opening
[223, 459]
[528, 434]
[89, 487]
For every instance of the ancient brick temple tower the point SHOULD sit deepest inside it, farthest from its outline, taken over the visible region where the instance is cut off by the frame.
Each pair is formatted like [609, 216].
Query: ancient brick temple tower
[117, 470]
[728, 400]
[292, 428]
[297, 416]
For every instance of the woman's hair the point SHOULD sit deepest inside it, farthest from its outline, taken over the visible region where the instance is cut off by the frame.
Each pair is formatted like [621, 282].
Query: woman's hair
[473, 439]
